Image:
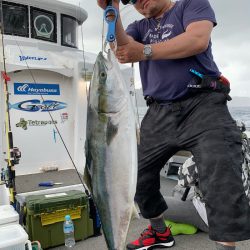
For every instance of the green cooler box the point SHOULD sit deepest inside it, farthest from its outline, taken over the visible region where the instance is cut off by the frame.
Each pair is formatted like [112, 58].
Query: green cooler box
[45, 217]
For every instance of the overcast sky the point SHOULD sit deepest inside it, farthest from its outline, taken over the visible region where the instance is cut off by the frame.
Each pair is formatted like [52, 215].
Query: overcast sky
[231, 37]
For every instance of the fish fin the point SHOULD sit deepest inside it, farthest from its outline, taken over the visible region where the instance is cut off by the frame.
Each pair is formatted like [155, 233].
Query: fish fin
[135, 212]
[111, 131]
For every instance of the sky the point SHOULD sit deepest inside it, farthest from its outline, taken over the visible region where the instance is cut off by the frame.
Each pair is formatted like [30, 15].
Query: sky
[230, 38]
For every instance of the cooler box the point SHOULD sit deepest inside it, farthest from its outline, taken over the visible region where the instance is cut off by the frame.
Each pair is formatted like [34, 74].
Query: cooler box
[14, 237]
[45, 217]
[8, 215]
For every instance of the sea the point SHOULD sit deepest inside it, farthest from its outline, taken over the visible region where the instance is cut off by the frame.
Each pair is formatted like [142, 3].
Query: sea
[238, 113]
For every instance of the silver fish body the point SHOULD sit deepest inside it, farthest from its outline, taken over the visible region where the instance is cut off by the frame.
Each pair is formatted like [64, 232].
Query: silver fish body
[111, 150]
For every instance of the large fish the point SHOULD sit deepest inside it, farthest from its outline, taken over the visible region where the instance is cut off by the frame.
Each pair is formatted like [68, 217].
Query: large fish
[111, 150]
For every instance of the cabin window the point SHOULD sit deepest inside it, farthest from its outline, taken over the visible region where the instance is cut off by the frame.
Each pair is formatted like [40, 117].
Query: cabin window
[15, 19]
[69, 31]
[43, 25]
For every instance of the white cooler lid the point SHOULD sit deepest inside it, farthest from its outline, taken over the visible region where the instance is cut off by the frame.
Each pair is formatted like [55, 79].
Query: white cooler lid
[6, 208]
[12, 235]
[8, 215]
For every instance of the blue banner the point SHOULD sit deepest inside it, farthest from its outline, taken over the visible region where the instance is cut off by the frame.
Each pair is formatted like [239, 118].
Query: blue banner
[36, 105]
[36, 89]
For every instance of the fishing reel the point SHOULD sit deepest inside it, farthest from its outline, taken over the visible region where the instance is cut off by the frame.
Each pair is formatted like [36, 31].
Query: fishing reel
[16, 155]
[125, 2]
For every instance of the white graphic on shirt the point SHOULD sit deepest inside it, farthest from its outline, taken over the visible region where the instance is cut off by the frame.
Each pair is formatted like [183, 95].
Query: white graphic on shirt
[166, 34]
[146, 35]
[159, 34]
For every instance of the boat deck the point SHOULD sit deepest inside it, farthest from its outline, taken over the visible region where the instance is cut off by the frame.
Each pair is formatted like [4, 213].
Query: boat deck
[197, 241]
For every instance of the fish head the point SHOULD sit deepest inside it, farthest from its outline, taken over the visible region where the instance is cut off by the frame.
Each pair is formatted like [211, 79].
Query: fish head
[106, 87]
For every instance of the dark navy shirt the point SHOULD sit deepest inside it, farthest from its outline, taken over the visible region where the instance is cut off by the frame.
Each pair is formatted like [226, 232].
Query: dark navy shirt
[168, 79]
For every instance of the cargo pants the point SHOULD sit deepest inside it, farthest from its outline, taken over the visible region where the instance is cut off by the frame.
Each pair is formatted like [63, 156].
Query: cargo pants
[203, 125]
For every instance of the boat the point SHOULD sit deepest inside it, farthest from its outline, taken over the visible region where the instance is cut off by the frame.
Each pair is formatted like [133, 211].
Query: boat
[47, 71]
[49, 77]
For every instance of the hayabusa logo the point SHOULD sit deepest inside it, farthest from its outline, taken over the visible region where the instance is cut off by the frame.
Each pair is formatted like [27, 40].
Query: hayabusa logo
[23, 88]
[38, 105]
[36, 89]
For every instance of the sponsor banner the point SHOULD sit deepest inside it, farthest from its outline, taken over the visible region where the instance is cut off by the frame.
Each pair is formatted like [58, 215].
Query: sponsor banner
[24, 124]
[36, 89]
[36, 105]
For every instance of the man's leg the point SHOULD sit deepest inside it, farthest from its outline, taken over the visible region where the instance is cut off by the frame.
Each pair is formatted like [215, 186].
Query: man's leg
[156, 147]
[158, 224]
[211, 134]
[216, 146]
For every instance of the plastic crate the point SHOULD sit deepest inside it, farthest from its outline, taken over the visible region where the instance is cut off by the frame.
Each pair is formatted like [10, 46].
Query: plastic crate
[45, 217]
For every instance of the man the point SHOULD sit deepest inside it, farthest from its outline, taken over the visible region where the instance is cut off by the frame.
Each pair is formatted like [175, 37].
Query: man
[187, 97]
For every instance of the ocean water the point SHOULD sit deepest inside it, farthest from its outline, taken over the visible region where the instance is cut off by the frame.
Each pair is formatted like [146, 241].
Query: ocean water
[241, 114]
[238, 113]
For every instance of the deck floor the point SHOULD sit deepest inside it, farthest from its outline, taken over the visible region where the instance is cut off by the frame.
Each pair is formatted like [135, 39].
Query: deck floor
[199, 241]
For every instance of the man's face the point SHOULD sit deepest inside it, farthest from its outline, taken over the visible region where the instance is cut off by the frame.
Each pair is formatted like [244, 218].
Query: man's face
[150, 8]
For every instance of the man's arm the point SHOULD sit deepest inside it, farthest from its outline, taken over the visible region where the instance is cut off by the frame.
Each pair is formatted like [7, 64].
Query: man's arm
[193, 41]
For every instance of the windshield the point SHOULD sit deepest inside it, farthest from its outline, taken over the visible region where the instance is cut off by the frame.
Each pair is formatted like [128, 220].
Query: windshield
[15, 19]
[69, 31]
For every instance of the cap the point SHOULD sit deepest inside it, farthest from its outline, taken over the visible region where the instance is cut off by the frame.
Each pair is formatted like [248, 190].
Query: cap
[67, 217]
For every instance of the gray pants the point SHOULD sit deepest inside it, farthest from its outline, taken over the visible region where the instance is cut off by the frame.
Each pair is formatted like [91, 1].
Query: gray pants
[183, 212]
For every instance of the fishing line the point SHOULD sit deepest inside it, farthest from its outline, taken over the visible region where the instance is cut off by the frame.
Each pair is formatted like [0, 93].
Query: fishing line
[132, 73]
[136, 100]
[103, 36]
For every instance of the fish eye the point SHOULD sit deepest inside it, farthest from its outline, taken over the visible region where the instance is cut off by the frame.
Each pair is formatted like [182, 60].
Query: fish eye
[102, 74]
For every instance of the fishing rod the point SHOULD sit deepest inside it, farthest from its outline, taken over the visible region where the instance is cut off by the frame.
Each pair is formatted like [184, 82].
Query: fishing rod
[13, 153]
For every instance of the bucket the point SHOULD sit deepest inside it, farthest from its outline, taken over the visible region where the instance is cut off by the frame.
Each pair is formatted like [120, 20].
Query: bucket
[14, 237]
[8, 215]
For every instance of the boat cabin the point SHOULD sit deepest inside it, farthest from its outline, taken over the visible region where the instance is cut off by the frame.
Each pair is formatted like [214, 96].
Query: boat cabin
[48, 83]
